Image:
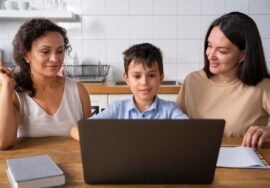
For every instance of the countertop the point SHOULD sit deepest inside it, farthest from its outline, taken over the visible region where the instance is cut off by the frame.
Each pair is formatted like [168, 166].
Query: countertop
[109, 87]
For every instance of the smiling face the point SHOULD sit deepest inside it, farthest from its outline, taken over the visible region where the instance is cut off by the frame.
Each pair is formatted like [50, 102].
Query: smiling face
[223, 56]
[143, 81]
[46, 55]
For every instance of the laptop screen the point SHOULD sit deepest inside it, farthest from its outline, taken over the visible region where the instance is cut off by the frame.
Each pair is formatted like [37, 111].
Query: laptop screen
[150, 151]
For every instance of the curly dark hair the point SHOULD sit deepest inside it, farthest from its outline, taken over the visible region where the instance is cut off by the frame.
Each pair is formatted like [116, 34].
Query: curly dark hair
[242, 31]
[22, 43]
[145, 54]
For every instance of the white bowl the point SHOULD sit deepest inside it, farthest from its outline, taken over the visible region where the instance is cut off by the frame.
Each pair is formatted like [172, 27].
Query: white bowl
[23, 5]
[11, 5]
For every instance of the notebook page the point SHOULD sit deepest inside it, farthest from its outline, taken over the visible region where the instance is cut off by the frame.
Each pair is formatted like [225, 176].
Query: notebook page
[238, 157]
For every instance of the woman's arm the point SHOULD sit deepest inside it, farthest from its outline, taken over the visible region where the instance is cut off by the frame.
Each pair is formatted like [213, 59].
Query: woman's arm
[85, 101]
[86, 105]
[9, 110]
[256, 135]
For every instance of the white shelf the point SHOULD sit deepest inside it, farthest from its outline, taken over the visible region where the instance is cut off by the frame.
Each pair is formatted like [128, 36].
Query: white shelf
[25, 14]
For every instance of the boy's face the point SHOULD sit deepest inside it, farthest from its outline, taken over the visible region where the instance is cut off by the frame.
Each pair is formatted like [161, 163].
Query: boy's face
[143, 81]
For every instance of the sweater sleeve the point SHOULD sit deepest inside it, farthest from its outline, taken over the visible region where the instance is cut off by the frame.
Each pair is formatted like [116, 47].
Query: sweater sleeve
[266, 98]
[180, 100]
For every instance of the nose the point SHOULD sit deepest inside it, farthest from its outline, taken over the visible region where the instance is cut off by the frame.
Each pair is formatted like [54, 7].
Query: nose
[211, 54]
[144, 80]
[54, 57]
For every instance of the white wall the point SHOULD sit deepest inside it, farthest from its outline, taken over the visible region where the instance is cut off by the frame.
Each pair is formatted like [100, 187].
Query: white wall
[107, 27]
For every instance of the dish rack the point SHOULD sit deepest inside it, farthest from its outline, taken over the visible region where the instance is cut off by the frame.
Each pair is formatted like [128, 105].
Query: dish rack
[87, 73]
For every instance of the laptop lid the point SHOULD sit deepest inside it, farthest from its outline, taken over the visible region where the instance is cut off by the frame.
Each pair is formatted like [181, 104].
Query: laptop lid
[150, 151]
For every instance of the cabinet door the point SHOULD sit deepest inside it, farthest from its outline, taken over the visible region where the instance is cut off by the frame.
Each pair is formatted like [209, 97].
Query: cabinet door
[115, 97]
[98, 102]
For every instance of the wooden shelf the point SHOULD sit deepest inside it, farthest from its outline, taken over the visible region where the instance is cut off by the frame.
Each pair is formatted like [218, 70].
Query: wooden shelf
[26, 14]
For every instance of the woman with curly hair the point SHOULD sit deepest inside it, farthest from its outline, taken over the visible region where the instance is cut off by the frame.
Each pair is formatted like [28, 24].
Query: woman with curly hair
[35, 101]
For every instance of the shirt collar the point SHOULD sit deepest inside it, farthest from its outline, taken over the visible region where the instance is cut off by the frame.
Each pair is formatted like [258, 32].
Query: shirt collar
[154, 106]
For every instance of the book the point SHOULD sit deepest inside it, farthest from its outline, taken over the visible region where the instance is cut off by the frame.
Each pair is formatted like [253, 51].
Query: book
[241, 157]
[34, 171]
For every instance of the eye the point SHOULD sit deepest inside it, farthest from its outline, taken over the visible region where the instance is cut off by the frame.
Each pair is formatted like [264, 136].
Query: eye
[45, 52]
[136, 76]
[152, 75]
[60, 51]
[223, 51]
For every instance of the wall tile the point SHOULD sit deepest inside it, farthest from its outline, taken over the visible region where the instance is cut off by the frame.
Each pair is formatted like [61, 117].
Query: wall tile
[190, 7]
[138, 41]
[93, 7]
[266, 47]
[74, 30]
[170, 71]
[164, 27]
[206, 21]
[188, 51]
[114, 49]
[212, 7]
[75, 56]
[259, 6]
[141, 7]
[93, 51]
[188, 27]
[94, 27]
[262, 24]
[239, 5]
[141, 27]
[117, 7]
[184, 69]
[165, 7]
[168, 49]
[106, 27]
[117, 27]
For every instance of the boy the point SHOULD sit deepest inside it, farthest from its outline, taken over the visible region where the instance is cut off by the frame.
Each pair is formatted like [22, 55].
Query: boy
[143, 73]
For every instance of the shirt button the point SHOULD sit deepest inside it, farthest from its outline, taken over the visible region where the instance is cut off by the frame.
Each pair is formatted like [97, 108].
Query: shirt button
[143, 116]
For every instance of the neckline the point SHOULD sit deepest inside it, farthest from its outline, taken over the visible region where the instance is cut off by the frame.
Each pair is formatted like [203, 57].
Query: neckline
[59, 107]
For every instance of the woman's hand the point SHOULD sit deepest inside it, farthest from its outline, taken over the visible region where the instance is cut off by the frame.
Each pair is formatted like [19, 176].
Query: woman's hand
[256, 136]
[6, 76]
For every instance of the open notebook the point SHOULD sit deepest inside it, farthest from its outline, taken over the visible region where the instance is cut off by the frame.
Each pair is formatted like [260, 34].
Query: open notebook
[241, 157]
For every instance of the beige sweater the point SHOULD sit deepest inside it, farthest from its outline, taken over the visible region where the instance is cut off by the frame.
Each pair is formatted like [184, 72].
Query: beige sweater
[240, 105]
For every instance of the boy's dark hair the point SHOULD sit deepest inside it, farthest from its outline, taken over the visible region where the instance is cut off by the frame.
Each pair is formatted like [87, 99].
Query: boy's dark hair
[242, 31]
[22, 43]
[145, 54]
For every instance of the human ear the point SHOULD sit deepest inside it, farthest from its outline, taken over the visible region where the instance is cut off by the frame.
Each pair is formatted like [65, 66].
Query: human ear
[26, 58]
[126, 78]
[242, 56]
[161, 77]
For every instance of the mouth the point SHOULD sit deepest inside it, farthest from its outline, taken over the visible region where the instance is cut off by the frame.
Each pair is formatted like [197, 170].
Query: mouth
[52, 66]
[214, 65]
[145, 90]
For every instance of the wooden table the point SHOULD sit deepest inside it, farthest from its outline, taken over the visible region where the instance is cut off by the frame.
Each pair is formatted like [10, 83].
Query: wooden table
[66, 153]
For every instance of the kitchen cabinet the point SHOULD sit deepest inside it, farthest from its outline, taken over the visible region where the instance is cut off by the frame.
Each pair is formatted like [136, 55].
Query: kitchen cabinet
[98, 102]
[27, 14]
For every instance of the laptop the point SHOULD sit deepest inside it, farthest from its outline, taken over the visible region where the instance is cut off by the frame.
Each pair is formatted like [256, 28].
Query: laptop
[150, 151]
